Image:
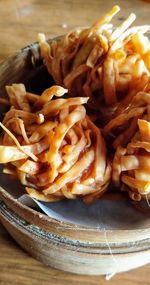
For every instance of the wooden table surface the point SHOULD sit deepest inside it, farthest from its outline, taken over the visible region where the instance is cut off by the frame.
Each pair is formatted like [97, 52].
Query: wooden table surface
[20, 21]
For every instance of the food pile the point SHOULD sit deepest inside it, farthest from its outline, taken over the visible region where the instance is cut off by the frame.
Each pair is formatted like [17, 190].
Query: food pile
[59, 148]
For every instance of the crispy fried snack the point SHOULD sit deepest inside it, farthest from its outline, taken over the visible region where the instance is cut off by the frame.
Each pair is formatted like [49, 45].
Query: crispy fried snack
[52, 146]
[129, 133]
[109, 65]
[131, 165]
[123, 127]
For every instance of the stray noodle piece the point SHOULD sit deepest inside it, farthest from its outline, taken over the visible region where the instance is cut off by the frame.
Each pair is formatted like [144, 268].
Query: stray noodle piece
[52, 146]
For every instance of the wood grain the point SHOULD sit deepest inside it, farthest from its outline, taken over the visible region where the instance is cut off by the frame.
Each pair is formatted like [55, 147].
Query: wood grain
[16, 268]
[20, 21]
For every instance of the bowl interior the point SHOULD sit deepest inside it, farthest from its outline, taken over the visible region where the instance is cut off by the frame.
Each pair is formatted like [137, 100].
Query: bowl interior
[26, 67]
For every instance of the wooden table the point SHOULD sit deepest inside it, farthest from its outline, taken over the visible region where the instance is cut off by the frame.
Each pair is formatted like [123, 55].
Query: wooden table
[20, 21]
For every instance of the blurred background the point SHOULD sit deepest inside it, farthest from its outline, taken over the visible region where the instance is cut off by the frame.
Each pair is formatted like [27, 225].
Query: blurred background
[21, 20]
